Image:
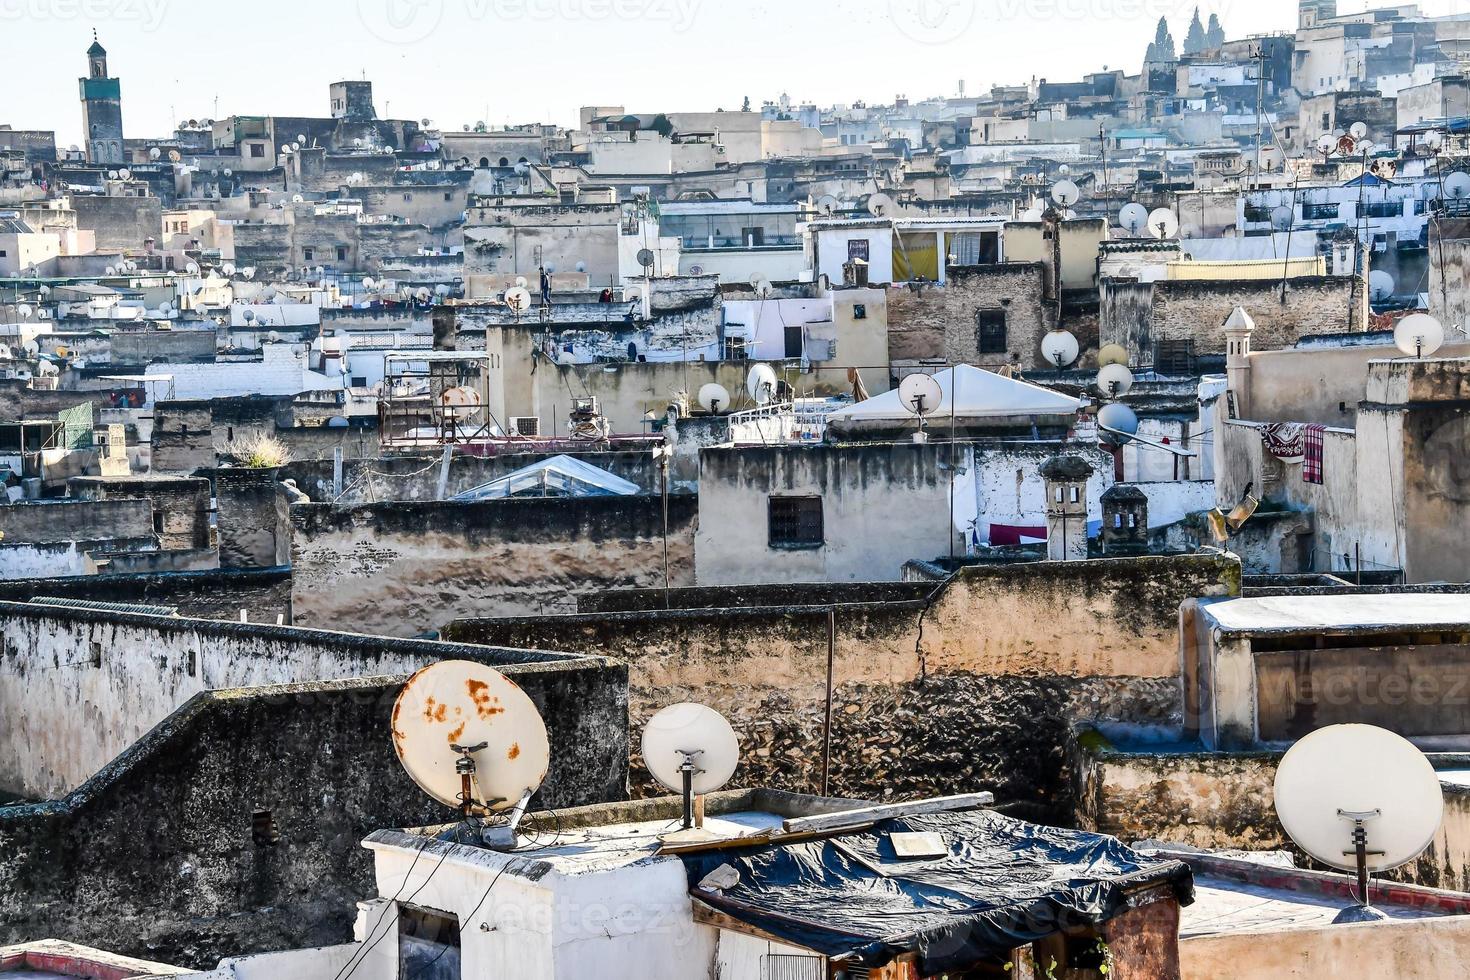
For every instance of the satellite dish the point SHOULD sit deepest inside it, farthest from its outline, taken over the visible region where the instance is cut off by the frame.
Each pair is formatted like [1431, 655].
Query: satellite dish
[228, 268]
[1326, 142]
[1457, 186]
[1359, 798]
[1115, 379]
[646, 257]
[192, 268]
[1112, 354]
[581, 266]
[455, 716]
[1163, 224]
[1380, 286]
[1133, 219]
[174, 156]
[1064, 193]
[1283, 217]
[763, 287]
[298, 199]
[154, 153]
[249, 316]
[882, 206]
[125, 174]
[827, 205]
[1419, 335]
[1060, 348]
[520, 282]
[1358, 130]
[368, 284]
[1064, 169]
[761, 384]
[920, 394]
[285, 147]
[550, 268]
[518, 299]
[1118, 422]
[1434, 139]
[713, 397]
[23, 311]
[692, 750]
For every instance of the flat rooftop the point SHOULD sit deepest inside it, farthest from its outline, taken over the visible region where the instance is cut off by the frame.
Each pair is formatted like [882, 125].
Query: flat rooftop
[1340, 613]
[1223, 906]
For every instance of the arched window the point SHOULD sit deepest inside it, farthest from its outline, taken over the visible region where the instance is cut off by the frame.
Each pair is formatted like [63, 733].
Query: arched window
[504, 161]
[484, 163]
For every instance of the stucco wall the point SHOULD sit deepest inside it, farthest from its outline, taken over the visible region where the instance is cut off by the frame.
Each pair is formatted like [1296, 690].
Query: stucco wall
[972, 690]
[1417, 949]
[406, 568]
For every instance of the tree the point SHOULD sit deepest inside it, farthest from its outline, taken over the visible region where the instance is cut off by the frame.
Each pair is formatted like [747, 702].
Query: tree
[1194, 41]
[1163, 47]
[1215, 36]
[662, 126]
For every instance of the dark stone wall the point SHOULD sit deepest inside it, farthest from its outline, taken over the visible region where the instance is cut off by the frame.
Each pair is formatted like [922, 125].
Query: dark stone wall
[753, 596]
[198, 595]
[75, 520]
[253, 519]
[155, 856]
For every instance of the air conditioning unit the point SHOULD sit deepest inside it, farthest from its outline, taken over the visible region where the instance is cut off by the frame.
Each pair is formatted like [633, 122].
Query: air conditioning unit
[527, 427]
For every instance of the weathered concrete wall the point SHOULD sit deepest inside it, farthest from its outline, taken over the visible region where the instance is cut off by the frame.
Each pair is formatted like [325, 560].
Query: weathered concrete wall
[182, 505]
[882, 505]
[1414, 949]
[974, 689]
[155, 854]
[145, 347]
[754, 596]
[1223, 800]
[120, 222]
[78, 687]
[61, 521]
[406, 568]
[253, 520]
[264, 595]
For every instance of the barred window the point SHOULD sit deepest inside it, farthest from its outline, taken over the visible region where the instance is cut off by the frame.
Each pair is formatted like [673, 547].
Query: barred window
[796, 522]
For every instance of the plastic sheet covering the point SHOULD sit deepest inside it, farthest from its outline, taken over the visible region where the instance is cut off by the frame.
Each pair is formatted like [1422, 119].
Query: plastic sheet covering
[1003, 884]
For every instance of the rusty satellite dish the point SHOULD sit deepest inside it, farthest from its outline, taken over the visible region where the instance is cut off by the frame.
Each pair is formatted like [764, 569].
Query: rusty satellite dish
[470, 738]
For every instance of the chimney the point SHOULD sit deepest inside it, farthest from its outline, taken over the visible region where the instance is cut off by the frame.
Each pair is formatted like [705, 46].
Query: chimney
[1066, 507]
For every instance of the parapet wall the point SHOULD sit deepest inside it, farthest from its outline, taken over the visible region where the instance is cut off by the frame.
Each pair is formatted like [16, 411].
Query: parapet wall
[973, 689]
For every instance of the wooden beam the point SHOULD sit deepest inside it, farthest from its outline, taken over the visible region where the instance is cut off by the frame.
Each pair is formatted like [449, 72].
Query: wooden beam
[869, 815]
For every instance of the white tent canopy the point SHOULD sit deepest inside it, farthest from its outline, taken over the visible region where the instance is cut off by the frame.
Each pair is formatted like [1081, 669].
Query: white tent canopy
[969, 393]
[560, 476]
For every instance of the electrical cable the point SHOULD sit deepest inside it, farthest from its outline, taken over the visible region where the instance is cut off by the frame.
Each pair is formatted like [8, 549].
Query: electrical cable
[357, 960]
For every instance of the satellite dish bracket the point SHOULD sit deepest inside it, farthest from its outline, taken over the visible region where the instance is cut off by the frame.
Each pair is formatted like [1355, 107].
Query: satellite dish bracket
[688, 770]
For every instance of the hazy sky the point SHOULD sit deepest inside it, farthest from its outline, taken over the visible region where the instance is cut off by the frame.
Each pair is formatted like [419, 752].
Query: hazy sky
[460, 61]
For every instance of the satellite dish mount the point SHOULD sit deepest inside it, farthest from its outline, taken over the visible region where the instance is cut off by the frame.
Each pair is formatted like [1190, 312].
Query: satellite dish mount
[1364, 910]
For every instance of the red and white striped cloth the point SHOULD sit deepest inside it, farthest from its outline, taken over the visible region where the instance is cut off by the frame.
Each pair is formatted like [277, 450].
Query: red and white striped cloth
[1312, 461]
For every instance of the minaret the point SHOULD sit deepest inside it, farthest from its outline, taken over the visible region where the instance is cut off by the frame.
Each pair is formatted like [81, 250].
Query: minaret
[1238, 330]
[101, 109]
[1310, 13]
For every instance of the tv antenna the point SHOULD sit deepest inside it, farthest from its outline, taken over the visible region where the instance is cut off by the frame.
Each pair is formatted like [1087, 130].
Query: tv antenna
[474, 741]
[692, 750]
[1359, 798]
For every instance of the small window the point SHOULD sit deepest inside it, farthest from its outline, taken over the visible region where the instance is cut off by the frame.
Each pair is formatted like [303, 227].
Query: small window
[448, 195]
[990, 331]
[341, 253]
[428, 945]
[407, 196]
[358, 381]
[796, 522]
[158, 522]
[257, 150]
[859, 311]
[308, 255]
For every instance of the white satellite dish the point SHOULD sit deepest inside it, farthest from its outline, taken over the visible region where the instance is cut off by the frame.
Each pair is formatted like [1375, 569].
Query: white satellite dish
[692, 750]
[920, 394]
[154, 153]
[827, 205]
[1359, 798]
[1060, 348]
[1032, 214]
[1065, 193]
[1326, 143]
[298, 199]
[125, 174]
[1118, 422]
[520, 282]
[192, 268]
[550, 268]
[470, 738]
[228, 268]
[1133, 218]
[761, 384]
[368, 284]
[882, 206]
[23, 311]
[1419, 335]
[714, 397]
[1380, 286]
[1163, 224]
[1358, 130]
[1115, 379]
[1457, 186]
[581, 266]
[518, 299]
[1283, 217]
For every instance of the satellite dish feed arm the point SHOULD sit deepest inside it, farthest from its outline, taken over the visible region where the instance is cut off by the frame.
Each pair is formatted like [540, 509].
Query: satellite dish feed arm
[1360, 849]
